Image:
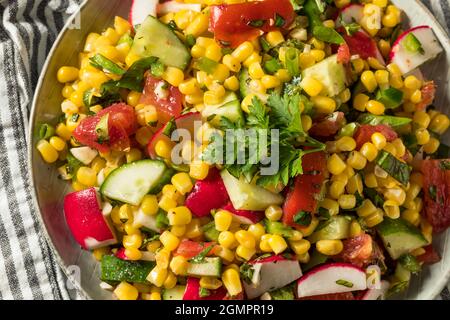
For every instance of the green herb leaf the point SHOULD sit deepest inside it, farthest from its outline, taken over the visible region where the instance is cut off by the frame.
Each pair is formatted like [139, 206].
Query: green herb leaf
[410, 263]
[328, 35]
[272, 65]
[207, 65]
[162, 222]
[102, 129]
[394, 167]
[344, 283]
[73, 164]
[169, 128]
[303, 218]
[256, 23]
[200, 258]
[203, 292]
[101, 62]
[397, 288]
[279, 21]
[133, 79]
[246, 271]
[157, 69]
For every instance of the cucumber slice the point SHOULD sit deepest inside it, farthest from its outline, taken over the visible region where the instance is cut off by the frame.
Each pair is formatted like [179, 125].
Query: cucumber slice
[211, 267]
[176, 293]
[400, 237]
[245, 89]
[337, 228]
[115, 269]
[229, 108]
[154, 38]
[131, 182]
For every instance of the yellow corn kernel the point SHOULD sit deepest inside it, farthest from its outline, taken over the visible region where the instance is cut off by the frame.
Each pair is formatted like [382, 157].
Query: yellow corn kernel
[274, 213]
[133, 254]
[57, 143]
[254, 57]
[133, 155]
[121, 25]
[125, 291]
[232, 63]
[306, 122]
[412, 216]
[222, 220]
[323, 104]
[264, 245]
[432, 146]
[422, 119]
[221, 73]
[231, 83]
[174, 76]
[227, 255]
[335, 164]
[243, 51]
[270, 82]
[379, 140]
[194, 99]
[369, 151]
[212, 98]
[211, 283]
[423, 136]
[366, 209]
[98, 164]
[245, 239]
[427, 229]
[356, 160]
[193, 229]
[132, 241]
[163, 149]
[179, 265]
[382, 77]
[232, 281]
[391, 17]
[277, 243]
[360, 101]
[355, 185]
[369, 81]
[255, 70]
[189, 86]
[346, 144]
[336, 189]
[358, 66]
[162, 258]
[171, 281]
[67, 91]
[318, 55]
[331, 205]
[342, 3]
[245, 252]
[311, 86]
[283, 75]
[391, 209]
[274, 38]
[143, 136]
[90, 41]
[355, 229]
[198, 26]
[153, 246]
[385, 47]
[133, 98]
[257, 230]
[166, 203]
[157, 276]
[87, 176]
[178, 231]
[347, 201]
[330, 247]
[306, 60]
[345, 95]
[300, 247]
[111, 35]
[395, 194]
[197, 51]
[411, 82]
[67, 74]
[375, 107]
[169, 240]
[416, 96]
[77, 186]
[227, 240]
[440, 124]
[182, 183]
[199, 170]
[183, 18]
[179, 216]
[213, 52]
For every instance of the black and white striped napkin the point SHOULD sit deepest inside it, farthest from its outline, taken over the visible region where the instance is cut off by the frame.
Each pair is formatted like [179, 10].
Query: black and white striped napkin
[28, 29]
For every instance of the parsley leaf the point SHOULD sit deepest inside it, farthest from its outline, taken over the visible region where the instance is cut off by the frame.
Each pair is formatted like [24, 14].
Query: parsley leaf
[303, 218]
[200, 258]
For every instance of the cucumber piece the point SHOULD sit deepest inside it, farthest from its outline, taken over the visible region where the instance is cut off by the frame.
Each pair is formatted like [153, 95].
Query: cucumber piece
[337, 228]
[210, 232]
[279, 228]
[165, 179]
[246, 196]
[115, 269]
[131, 182]
[244, 86]
[154, 38]
[330, 73]
[400, 237]
[229, 108]
[211, 267]
[176, 293]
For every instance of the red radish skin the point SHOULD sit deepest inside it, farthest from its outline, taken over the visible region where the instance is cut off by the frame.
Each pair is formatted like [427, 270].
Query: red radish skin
[273, 258]
[190, 121]
[323, 280]
[141, 9]
[244, 216]
[121, 254]
[85, 219]
[193, 291]
[350, 13]
[402, 36]
[207, 195]
[374, 294]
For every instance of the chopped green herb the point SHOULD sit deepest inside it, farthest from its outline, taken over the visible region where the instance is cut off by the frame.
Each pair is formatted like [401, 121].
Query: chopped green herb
[173, 25]
[75, 117]
[392, 98]
[264, 44]
[432, 190]
[344, 283]
[73, 164]
[200, 258]
[413, 44]
[394, 167]
[203, 292]
[162, 222]
[207, 65]
[303, 218]
[279, 21]
[246, 270]
[157, 69]
[397, 288]
[190, 40]
[272, 65]
[169, 128]
[410, 263]
[256, 23]
[101, 62]
[102, 129]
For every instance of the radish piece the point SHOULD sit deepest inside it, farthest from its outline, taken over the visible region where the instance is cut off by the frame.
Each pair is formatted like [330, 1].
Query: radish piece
[363, 45]
[121, 254]
[193, 291]
[141, 9]
[350, 14]
[84, 217]
[415, 47]
[270, 274]
[207, 195]
[142, 219]
[244, 216]
[190, 121]
[84, 154]
[175, 6]
[375, 294]
[331, 278]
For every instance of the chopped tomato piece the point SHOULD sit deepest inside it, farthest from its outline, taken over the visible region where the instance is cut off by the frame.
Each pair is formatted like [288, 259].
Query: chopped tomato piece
[436, 188]
[190, 249]
[307, 187]
[364, 133]
[167, 99]
[428, 95]
[121, 124]
[358, 250]
[233, 24]
[328, 126]
[430, 256]
[331, 296]
[343, 54]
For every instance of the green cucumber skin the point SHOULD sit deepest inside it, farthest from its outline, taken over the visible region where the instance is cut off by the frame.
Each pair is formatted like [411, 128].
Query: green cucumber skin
[211, 267]
[164, 44]
[115, 269]
[176, 293]
[165, 179]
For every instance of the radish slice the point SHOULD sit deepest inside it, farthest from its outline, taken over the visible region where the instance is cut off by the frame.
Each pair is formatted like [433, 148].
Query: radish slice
[141, 9]
[244, 216]
[84, 154]
[331, 278]
[414, 48]
[270, 274]
[375, 294]
[349, 14]
[190, 121]
[175, 6]
[84, 217]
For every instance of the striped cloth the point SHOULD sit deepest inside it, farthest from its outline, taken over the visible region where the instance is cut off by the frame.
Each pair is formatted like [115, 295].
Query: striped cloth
[28, 29]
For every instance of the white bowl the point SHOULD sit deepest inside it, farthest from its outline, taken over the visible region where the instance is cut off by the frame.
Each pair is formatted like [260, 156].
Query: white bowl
[49, 191]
